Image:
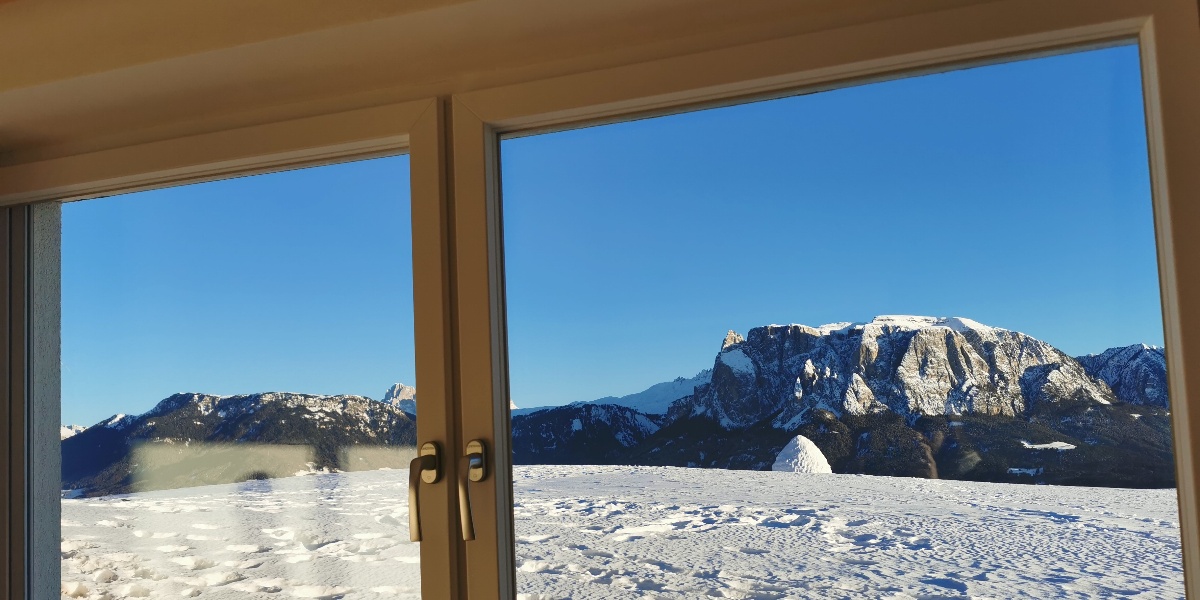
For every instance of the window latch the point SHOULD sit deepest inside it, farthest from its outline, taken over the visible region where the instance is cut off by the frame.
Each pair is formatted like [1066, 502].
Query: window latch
[426, 467]
[474, 470]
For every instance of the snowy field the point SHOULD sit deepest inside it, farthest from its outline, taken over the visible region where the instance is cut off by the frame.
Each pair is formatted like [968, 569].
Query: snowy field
[640, 532]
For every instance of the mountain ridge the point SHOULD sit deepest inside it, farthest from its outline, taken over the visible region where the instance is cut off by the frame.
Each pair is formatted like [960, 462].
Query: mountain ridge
[967, 401]
[276, 433]
[897, 395]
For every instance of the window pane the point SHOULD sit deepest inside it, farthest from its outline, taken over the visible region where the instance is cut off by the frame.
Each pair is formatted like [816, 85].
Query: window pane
[899, 340]
[233, 421]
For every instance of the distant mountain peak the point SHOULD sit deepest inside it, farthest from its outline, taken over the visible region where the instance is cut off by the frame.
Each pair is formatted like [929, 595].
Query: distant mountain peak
[732, 338]
[403, 397]
[1136, 373]
[400, 391]
[66, 431]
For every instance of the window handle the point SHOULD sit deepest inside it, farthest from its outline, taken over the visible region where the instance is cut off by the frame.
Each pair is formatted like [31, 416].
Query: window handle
[474, 469]
[425, 467]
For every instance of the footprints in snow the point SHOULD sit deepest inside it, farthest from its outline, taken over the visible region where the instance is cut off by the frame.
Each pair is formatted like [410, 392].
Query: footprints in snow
[863, 536]
[631, 541]
[677, 523]
[226, 545]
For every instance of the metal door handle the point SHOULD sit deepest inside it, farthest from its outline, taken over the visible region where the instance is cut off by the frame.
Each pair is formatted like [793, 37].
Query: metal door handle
[474, 469]
[425, 467]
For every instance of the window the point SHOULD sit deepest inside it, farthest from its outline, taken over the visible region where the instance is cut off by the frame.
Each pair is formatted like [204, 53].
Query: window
[968, 262]
[86, 127]
[222, 346]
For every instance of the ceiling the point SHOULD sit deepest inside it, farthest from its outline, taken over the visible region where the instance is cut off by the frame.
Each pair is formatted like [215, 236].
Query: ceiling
[84, 75]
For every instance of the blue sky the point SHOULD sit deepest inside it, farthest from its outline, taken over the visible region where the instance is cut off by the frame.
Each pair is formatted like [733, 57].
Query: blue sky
[296, 281]
[1015, 194]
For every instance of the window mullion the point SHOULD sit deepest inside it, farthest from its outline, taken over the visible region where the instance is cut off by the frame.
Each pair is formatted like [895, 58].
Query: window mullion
[441, 548]
[482, 373]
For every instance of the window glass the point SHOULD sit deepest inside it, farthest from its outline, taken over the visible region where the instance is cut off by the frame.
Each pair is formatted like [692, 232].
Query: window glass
[900, 340]
[238, 404]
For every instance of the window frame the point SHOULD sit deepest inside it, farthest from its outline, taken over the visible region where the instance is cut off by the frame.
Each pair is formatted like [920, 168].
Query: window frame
[30, 296]
[1168, 39]
[453, 136]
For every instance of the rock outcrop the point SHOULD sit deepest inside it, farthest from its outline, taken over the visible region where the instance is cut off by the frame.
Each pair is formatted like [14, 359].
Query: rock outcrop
[905, 396]
[403, 397]
[912, 366]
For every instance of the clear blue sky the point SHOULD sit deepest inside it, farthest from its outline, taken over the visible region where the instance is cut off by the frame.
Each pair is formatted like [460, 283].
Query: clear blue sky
[297, 281]
[1016, 195]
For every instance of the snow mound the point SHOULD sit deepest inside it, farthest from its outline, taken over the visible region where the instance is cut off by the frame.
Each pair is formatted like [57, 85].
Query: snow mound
[801, 456]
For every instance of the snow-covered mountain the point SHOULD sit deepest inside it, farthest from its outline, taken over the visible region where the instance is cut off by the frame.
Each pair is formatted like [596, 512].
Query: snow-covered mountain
[597, 431]
[912, 366]
[898, 395]
[283, 432]
[1137, 374]
[580, 433]
[403, 397]
[657, 399]
[66, 431]
[654, 400]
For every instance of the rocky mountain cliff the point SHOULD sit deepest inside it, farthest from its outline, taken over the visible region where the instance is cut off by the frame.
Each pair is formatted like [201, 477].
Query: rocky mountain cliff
[917, 396]
[911, 366]
[403, 397]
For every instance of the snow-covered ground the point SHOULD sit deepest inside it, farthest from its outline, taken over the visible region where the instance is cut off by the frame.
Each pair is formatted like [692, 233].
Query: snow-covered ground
[641, 532]
[314, 536]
